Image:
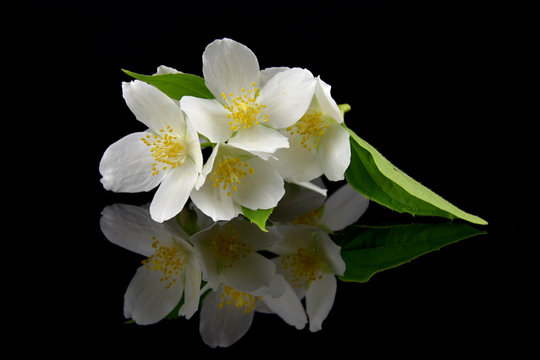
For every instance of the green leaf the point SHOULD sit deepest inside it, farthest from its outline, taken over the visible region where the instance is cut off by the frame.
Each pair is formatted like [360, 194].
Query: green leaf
[368, 250]
[373, 175]
[176, 85]
[258, 217]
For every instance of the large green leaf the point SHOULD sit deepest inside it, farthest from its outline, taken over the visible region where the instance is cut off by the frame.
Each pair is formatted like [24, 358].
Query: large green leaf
[176, 85]
[368, 250]
[373, 175]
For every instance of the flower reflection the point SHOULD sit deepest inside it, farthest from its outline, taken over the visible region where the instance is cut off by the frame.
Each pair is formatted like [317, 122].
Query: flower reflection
[232, 269]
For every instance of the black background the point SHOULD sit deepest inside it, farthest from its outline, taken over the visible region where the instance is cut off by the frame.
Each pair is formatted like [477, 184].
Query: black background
[436, 90]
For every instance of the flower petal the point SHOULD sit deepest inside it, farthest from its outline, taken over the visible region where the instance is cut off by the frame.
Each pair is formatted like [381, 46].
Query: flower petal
[152, 107]
[228, 67]
[287, 306]
[299, 199]
[147, 299]
[126, 166]
[327, 104]
[164, 69]
[329, 252]
[174, 192]
[201, 242]
[251, 234]
[269, 73]
[259, 138]
[250, 273]
[222, 325]
[208, 116]
[343, 208]
[215, 203]
[335, 152]
[262, 189]
[132, 228]
[192, 286]
[297, 163]
[319, 300]
[287, 96]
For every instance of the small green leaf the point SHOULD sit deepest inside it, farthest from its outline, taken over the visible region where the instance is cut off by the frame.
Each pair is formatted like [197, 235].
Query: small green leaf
[368, 250]
[258, 217]
[373, 175]
[176, 86]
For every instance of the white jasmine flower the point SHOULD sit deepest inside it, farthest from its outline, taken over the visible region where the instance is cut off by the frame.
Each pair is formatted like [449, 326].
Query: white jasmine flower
[171, 269]
[309, 260]
[228, 253]
[227, 314]
[167, 154]
[232, 178]
[318, 144]
[244, 113]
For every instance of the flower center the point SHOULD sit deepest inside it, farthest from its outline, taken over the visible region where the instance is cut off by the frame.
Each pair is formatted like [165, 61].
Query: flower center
[311, 127]
[168, 260]
[244, 110]
[229, 172]
[227, 247]
[303, 266]
[166, 149]
[238, 299]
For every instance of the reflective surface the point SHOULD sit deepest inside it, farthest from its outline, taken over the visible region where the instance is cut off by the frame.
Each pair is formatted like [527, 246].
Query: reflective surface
[464, 299]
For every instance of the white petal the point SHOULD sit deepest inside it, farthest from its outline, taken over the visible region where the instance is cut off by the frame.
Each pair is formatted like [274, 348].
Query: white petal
[208, 116]
[208, 166]
[317, 185]
[335, 152]
[163, 69]
[228, 67]
[126, 166]
[174, 191]
[269, 73]
[343, 208]
[215, 203]
[287, 306]
[329, 252]
[297, 163]
[147, 299]
[297, 201]
[250, 273]
[152, 107]
[294, 237]
[319, 300]
[132, 228]
[327, 104]
[201, 242]
[261, 190]
[222, 326]
[287, 96]
[259, 138]
[192, 286]
[251, 234]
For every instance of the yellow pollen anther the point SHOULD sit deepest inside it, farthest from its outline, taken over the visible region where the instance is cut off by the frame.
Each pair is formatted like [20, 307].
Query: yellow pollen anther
[168, 260]
[228, 173]
[238, 299]
[244, 110]
[166, 149]
[303, 266]
[311, 127]
[228, 248]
